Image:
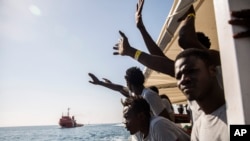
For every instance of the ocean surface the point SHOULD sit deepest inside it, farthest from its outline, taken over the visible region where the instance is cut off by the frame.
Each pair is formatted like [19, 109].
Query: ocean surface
[95, 132]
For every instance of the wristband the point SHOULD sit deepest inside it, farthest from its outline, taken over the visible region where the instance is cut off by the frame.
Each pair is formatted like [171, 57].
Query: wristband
[191, 15]
[137, 54]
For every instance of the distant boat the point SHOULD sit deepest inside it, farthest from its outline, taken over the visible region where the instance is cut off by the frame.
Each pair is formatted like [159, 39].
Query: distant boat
[68, 122]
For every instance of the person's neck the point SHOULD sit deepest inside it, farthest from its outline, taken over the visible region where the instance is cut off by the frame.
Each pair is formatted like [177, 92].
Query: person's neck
[145, 128]
[213, 101]
[138, 90]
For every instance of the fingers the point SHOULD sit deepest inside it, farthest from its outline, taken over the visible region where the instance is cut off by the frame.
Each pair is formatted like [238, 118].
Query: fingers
[140, 6]
[235, 22]
[242, 18]
[92, 75]
[123, 42]
[242, 34]
[241, 14]
[116, 48]
[122, 34]
[190, 10]
[115, 53]
[241, 22]
[137, 6]
[106, 80]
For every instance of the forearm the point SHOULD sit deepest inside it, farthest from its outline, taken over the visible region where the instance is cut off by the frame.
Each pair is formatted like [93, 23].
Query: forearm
[119, 88]
[157, 63]
[187, 35]
[112, 86]
[152, 47]
[125, 92]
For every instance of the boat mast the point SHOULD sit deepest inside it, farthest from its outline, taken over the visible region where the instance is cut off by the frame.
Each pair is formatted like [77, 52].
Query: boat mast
[68, 111]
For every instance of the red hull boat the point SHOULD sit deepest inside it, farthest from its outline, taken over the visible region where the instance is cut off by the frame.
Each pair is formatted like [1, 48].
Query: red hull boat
[68, 122]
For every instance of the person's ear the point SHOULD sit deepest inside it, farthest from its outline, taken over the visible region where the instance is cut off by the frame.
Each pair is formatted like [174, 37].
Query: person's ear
[212, 70]
[141, 115]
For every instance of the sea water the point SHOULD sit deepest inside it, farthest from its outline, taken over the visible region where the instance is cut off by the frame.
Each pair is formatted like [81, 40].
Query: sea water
[97, 132]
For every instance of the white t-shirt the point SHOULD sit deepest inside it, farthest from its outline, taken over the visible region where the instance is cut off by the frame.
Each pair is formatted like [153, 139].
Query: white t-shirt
[211, 127]
[154, 100]
[167, 105]
[193, 105]
[162, 129]
[195, 110]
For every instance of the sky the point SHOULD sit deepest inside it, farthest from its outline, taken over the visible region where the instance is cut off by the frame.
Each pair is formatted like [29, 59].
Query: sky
[48, 47]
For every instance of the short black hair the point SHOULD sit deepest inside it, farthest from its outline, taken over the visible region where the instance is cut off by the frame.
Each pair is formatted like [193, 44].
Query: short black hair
[202, 54]
[135, 76]
[203, 39]
[137, 104]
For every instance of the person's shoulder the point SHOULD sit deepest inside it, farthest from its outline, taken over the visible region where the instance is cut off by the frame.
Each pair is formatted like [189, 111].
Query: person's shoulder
[148, 91]
[156, 121]
[221, 113]
[159, 120]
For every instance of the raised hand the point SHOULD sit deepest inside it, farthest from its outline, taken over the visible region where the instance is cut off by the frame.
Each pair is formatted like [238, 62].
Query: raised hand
[138, 15]
[95, 80]
[123, 46]
[108, 84]
[190, 11]
[107, 81]
[241, 18]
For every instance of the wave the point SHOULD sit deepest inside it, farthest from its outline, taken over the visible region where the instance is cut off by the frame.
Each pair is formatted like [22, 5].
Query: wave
[119, 124]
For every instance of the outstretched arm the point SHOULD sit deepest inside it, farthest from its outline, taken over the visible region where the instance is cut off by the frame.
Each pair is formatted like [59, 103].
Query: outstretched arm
[187, 33]
[241, 18]
[157, 63]
[152, 47]
[188, 36]
[108, 84]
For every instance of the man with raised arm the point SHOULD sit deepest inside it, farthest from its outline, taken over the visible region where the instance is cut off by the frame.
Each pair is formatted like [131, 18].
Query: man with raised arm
[157, 60]
[135, 84]
[108, 84]
[151, 45]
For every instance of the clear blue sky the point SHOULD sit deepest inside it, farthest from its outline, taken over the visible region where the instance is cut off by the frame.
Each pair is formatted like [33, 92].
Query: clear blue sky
[48, 47]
